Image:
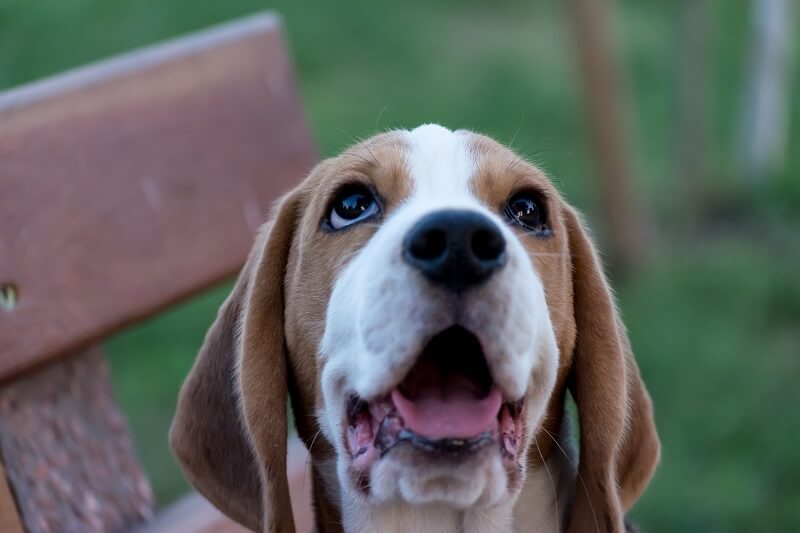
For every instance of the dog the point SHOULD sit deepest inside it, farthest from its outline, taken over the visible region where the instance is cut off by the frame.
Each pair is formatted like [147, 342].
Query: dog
[425, 300]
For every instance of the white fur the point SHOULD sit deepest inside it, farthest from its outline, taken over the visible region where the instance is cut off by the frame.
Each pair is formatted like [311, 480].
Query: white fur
[546, 495]
[381, 313]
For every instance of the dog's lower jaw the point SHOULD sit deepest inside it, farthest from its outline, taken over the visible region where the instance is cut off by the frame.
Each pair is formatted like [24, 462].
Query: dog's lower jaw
[541, 506]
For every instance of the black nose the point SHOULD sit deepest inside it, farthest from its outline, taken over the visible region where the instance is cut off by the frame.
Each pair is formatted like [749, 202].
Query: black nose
[457, 248]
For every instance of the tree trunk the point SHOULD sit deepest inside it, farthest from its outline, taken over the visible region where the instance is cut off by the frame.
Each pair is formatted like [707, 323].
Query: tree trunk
[765, 114]
[606, 123]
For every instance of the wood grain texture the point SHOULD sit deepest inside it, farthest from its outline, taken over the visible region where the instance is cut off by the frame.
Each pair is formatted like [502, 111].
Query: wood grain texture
[9, 516]
[131, 184]
[67, 453]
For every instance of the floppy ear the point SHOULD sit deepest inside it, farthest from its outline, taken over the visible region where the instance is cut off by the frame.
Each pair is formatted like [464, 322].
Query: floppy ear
[229, 432]
[619, 447]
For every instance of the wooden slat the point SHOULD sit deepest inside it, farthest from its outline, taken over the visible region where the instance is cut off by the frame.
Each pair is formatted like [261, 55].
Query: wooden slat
[9, 517]
[128, 185]
[68, 457]
[191, 514]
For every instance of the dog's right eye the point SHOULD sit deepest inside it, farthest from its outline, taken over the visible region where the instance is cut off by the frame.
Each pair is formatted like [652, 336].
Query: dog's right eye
[352, 204]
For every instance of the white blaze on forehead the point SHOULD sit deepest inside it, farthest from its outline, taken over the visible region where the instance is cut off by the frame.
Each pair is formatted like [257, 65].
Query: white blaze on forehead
[440, 163]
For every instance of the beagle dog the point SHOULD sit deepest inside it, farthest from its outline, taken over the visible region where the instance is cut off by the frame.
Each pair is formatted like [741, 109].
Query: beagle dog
[424, 300]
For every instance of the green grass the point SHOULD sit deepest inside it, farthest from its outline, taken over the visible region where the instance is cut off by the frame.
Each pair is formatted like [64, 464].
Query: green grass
[714, 314]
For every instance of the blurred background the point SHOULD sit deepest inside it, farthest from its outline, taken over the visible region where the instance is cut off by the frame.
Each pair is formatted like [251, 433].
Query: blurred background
[672, 124]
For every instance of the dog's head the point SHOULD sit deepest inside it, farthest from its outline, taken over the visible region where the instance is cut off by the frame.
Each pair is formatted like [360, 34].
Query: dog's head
[425, 299]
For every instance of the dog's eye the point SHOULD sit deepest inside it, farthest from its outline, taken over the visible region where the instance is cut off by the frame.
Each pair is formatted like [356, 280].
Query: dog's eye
[352, 204]
[525, 208]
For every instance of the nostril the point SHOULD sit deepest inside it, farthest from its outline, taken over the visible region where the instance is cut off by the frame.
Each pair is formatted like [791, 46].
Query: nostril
[455, 248]
[429, 244]
[487, 244]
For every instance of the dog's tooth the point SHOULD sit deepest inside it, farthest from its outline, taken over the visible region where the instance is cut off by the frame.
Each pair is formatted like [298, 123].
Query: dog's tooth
[388, 432]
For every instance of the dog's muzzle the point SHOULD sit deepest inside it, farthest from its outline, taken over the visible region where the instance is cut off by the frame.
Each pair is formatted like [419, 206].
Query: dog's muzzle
[447, 404]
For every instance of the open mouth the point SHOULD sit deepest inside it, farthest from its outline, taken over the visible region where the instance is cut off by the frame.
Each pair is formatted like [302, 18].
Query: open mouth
[447, 404]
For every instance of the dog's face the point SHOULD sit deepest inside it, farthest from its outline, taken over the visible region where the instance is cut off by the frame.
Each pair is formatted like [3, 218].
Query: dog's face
[427, 285]
[438, 354]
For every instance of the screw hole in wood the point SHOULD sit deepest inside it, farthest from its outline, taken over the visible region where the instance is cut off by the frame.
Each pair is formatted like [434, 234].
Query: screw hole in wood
[9, 296]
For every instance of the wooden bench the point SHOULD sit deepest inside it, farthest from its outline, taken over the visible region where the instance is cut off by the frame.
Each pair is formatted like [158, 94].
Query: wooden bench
[126, 187]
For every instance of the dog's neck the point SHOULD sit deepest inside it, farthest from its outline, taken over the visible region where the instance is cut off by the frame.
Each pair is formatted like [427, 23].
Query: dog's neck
[541, 506]
[547, 494]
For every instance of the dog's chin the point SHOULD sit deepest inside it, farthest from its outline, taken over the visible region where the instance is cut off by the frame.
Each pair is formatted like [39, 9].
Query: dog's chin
[445, 434]
[478, 479]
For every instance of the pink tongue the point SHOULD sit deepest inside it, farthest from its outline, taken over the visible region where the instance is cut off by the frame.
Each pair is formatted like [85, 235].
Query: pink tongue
[452, 411]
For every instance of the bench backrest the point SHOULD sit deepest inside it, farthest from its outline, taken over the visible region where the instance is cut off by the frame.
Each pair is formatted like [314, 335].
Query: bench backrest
[125, 187]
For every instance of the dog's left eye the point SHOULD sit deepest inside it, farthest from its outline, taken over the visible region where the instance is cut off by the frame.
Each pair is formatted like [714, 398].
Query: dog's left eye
[352, 204]
[526, 209]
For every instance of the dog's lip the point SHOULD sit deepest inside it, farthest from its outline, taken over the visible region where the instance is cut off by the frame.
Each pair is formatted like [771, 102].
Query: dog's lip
[374, 429]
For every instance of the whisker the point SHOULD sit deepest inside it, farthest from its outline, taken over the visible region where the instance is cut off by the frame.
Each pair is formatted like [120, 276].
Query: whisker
[566, 455]
[552, 484]
[519, 127]
[314, 439]
[308, 460]
[580, 478]
[380, 114]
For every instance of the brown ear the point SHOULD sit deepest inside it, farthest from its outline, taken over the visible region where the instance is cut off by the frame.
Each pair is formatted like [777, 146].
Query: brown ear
[619, 447]
[229, 432]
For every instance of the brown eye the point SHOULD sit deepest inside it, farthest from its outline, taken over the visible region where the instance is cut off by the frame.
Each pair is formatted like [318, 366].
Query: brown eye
[525, 208]
[352, 204]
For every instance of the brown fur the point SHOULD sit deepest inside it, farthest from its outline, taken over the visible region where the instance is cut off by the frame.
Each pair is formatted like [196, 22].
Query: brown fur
[235, 454]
